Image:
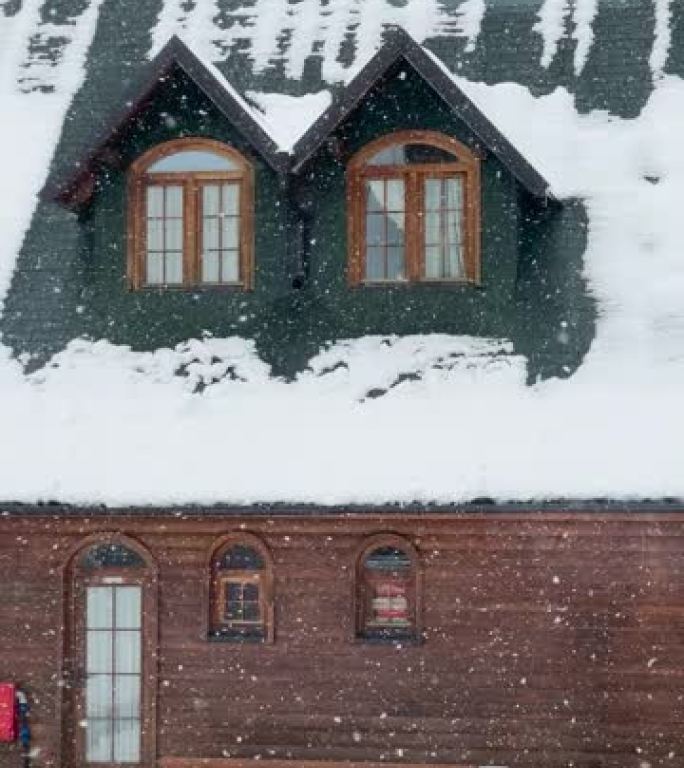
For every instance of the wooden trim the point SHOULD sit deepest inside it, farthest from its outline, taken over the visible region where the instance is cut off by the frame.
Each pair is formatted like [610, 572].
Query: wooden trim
[74, 581]
[416, 579]
[237, 762]
[139, 180]
[466, 165]
[266, 580]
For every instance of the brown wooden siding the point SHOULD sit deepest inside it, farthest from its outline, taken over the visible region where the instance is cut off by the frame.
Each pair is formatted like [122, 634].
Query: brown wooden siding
[550, 640]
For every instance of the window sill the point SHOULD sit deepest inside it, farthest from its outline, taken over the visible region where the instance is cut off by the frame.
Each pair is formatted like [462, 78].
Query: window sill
[389, 639]
[407, 284]
[192, 288]
[238, 638]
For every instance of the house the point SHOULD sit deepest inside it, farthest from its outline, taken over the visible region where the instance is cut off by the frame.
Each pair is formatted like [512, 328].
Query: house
[471, 555]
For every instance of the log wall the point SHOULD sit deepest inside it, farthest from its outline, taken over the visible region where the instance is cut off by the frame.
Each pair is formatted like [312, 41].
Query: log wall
[551, 640]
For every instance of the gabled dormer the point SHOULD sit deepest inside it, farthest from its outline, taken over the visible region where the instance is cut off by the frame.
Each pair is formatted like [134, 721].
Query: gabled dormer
[401, 210]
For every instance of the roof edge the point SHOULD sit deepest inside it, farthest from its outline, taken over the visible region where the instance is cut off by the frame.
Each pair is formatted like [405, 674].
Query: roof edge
[63, 187]
[399, 44]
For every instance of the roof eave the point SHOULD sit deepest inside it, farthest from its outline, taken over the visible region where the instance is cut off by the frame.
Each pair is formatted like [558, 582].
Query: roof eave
[62, 188]
[401, 45]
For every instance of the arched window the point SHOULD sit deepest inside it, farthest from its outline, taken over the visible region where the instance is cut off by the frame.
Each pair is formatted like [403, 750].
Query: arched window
[191, 208]
[241, 590]
[387, 590]
[414, 211]
[111, 648]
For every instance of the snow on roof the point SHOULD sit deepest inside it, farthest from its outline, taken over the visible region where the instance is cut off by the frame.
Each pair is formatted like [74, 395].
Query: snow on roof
[427, 418]
[288, 117]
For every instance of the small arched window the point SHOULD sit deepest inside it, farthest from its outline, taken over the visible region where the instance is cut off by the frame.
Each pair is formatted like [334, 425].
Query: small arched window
[191, 207]
[387, 590]
[414, 211]
[241, 591]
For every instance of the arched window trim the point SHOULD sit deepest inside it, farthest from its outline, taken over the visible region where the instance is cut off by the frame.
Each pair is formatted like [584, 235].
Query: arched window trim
[74, 579]
[359, 599]
[267, 581]
[467, 165]
[138, 180]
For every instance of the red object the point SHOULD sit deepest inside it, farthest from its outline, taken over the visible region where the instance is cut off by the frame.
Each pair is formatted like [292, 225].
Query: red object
[8, 712]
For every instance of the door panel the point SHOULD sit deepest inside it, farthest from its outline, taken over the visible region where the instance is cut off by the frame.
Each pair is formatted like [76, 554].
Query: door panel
[113, 674]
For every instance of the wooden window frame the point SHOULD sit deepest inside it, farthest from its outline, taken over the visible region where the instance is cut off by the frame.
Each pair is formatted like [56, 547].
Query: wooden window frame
[218, 579]
[76, 579]
[139, 180]
[359, 172]
[362, 632]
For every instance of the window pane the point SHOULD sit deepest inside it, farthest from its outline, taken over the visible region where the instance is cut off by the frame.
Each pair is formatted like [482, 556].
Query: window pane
[251, 611]
[127, 741]
[229, 234]
[99, 651]
[454, 193]
[99, 610]
[454, 262]
[426, 153]
[395, 263]
[231, 199]
[210, 267]
[210, 234]
[388, 559]
[155, 202]
[193, 160]
[233, 611]
[412, 154]
[433, 228]
[389, 605]
[174, 201]
[127, 651]
[394, 155]
[210, 200]
[127, 696]
[395, 228]
[242, 558]
[111, 555]
[234, 592]
[230, 267]
[433, 262]
[174, 268]
[395, 195]
[155, 268]
[433, 194]
[453, 228]
[99, 741]
[99, 696]
[375, 195]
[174, 235]
[155, 234]
[375, 264]
[128, 607]
[375, 229]
[251, 592]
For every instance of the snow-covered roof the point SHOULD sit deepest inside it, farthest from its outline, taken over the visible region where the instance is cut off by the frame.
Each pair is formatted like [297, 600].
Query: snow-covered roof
[428, 418]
